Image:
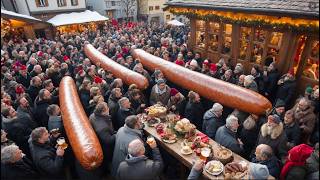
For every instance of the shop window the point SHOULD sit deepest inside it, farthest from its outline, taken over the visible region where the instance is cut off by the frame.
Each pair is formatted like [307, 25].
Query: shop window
[214, 29]
[244, 42]
[74, 2]
[61, 3]
[226, 35]
[42, 3]
[297, 56]
[274, 45]
[150, 8]
[311, 69]
[157, 7]
[258, 43]
[200, 33]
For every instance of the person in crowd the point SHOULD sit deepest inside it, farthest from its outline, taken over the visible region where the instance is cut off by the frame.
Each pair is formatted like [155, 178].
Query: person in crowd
[205, 67]
[94, 101]
[129, 132]
[196, 170]
[47, 160]
[193, 65]
[55, 121]
[15, 165]
[177, 102]
[139, 69]
[295, 165]
[240, 81]
[212, 120]
[292, 129]
[102, 125]
[84, 94]
[37, 69]
[270, 79]
[48, 85]
[160, 93]
[113, 105]
[157, 74]
[138, 101]
[228, 77]
[315, 100]
[194, 109]
[124, 111]
[272, 134]
[24, 78]
[264, 155]
[249, 83]
[312, 164]
[41, 104]
[238, 71]
[226, 135]
[258, 171]
[305, 117]
[213, 72]
[4, 140]
[137, 165]
[286, 88]
[34, 88]
[25, 112]
[250, 128]
[257, 74]
[279, 109]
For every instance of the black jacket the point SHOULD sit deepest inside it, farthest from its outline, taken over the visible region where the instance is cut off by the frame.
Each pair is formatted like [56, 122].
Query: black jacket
[85, 98]
[194, 111]
[211, 123]
[286, 91]
[41, 116]
[19, 170]
[33, 92]
[273, 164]
[121, 117]
[25, 81]
[228, 139]
[270, 82]
[26, 115]
[293, 133]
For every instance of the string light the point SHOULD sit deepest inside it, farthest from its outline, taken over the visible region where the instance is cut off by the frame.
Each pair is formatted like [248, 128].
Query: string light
[249, 19]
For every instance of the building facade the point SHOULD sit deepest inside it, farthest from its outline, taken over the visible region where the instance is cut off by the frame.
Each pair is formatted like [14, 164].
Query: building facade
[152, 11]
[115, 9]
[255, 32]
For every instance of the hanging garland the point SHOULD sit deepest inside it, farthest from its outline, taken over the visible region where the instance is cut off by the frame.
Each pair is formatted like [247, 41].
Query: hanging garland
[5, 27]
[280, 23]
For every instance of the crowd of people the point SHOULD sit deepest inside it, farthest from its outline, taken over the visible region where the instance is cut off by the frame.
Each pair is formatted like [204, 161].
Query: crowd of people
[282, 143]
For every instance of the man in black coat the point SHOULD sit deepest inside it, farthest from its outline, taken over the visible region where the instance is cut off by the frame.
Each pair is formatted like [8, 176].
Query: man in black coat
[292, 129]
[15, 165]
[113, 105]
[286, 88]
[194, 110]
[48, 160]
[34, 88]
[23, 77]
[25, 112]
[212, 120]
[102, 125]
[41, 104]
[123, 112]
[270, 79]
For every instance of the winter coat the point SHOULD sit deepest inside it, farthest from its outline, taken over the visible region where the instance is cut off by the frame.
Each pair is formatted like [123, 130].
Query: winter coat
[306, 118]
[102, 125]
[293, 133]
[194, 174]
[55, 122]
[249, 143]
[273, 164]
[253, 86]
[25, 81]
[46, 160]
[33, 92]
[286, 91]
[123, 137]
[19, 170]
[113, 108]
[85, 98]
[194, 111]
[211, 123]
[259, 81]
[312, 163]
[180, 105]
[270, 82]
[40, 115]
[122, 114]
[228, 139]
[163, 98]
[27, 116]
[136, 168]
[277, 140]
[297, 173]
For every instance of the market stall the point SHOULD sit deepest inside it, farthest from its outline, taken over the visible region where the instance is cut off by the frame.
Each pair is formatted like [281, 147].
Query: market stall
[256, 32]
[77, 21]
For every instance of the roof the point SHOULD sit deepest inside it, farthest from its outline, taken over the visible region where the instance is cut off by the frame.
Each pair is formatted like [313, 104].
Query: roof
[14, 15]
[76, 18]
[292, 8]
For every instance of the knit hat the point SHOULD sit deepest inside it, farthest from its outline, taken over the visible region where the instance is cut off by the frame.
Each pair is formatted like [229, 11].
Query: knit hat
[279, 103]
[309, 89]
[213, 67]
[258, 171]
[206, 62]
[173, 91]
[179, 62]
[193, 63]
[23, 67]
[19, 89]
[160, 81]
[97, 79]
[276, 118]
[65, 58]
[40, 53]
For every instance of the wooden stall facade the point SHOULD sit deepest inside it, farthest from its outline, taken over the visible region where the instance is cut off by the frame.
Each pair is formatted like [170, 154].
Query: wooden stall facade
[249, 42]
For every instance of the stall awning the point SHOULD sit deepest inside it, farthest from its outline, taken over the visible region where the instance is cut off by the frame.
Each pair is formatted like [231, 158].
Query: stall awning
[20, 17]
[76, 18]
[175, 23]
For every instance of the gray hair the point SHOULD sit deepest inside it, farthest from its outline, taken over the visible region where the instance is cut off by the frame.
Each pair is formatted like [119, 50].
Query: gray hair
[52, 109]
[37, 133]
[216, 107]
[231, 119]
[135, 147]
[8, 153]
[131, 121]
[249, 79]
[266, 151]
[121, 101]
[100, 108]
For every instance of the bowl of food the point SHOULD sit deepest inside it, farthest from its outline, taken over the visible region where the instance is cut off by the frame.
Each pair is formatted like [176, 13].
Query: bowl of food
[186, 150]
[168, 136]
[236, 170]
[223, 155]
[214, 167]
[156, 111]
[153, 122]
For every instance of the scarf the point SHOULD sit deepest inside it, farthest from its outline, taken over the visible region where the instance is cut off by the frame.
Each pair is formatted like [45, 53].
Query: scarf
[159, 91]
[297, 157]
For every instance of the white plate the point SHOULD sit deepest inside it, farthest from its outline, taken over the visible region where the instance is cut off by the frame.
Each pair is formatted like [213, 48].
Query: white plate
[169, 141]
[154, 124]
[184, 153]
[215, 173]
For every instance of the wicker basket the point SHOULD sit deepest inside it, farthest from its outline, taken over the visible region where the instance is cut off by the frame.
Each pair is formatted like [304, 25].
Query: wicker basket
[226, 159]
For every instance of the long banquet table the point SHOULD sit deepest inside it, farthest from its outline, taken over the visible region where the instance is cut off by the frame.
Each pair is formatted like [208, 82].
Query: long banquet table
[175, 148]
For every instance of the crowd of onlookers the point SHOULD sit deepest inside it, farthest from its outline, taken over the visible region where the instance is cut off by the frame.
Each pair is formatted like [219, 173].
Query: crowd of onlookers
[283, 143]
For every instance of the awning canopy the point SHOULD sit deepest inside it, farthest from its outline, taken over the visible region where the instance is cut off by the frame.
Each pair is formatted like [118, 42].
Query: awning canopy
[76, 18]
[19, 17]
[175, 23]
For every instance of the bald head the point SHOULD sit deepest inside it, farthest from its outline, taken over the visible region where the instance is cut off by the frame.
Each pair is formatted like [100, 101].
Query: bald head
[136, 148]
[263, 152]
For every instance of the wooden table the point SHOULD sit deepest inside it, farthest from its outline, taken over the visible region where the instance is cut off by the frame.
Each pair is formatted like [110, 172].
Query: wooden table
[175, 148]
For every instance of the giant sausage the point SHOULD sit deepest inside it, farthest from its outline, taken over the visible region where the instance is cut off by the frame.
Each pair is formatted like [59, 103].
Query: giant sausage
[214, 89]
[82, 138]
[128, 76]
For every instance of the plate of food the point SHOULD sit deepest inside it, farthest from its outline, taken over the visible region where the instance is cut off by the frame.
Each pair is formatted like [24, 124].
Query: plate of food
[168, 136]
[236, 170]
[156, 110]
[186, 150]
[153, 121]
[224, 155]
[214, 167]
